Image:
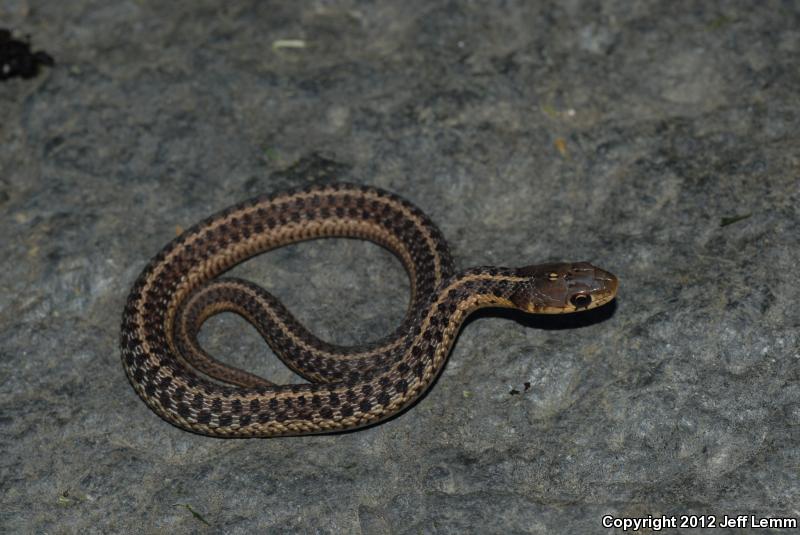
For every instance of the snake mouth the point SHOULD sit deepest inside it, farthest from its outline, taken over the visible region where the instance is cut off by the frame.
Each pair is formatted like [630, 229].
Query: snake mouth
[608, 284]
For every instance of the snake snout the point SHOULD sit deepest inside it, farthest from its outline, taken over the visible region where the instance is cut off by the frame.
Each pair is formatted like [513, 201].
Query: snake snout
[601, 284]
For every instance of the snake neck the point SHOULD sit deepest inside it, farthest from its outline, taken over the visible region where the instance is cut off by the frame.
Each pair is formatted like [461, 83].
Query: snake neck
[436, 324]
[479, 287]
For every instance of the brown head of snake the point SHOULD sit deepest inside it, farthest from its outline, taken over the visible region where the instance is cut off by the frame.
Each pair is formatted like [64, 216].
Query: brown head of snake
[349, 387]
[561, 288]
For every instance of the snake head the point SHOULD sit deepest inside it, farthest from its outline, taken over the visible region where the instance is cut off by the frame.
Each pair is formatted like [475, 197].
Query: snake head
[563, 287]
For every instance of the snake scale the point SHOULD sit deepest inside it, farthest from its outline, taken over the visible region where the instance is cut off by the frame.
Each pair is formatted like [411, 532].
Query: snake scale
[349, 387]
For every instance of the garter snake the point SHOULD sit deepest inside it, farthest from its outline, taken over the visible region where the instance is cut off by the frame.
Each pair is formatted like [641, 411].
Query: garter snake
[349, 386]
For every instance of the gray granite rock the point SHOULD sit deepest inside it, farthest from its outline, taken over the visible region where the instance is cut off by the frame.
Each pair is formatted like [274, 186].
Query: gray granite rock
[630, 134]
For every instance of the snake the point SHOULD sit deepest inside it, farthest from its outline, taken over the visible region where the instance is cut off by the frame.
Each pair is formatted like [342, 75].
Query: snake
[346, 387]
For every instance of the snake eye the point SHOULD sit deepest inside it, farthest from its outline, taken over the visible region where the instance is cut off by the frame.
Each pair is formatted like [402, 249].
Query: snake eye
[580, 300]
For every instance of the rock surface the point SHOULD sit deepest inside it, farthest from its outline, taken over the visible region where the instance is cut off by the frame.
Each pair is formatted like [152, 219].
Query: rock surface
[654, 139]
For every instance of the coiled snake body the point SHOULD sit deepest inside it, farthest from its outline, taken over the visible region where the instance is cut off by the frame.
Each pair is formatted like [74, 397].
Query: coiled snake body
[349, 386]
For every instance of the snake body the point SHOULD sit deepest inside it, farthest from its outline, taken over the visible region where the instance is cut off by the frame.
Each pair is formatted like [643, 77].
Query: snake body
[349, 386]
